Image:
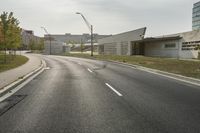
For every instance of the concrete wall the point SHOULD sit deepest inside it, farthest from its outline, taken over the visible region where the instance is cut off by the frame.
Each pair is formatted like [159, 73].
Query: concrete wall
[190, 40]
[188, 54]
[120, 44]
[158, 49]
[57, 48]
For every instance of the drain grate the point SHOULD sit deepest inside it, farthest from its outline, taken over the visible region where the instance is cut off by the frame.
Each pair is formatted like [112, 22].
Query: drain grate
[10, 102]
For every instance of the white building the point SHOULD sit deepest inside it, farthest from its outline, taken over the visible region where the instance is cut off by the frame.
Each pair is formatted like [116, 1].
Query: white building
[181, 45]
[120, 44]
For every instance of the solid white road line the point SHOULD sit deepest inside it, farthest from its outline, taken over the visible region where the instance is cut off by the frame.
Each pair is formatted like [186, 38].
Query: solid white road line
[90, 70]
[119, 94]
[20, 86]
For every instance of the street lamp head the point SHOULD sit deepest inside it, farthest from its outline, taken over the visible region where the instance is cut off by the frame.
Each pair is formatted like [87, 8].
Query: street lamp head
[78, 13]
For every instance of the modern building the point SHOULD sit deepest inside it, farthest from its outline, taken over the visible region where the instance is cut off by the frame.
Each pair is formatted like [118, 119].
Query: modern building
[121, 44]
[196, 16]
[181, 45]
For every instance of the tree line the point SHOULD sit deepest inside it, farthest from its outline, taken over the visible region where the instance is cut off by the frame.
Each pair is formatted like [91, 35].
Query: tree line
[10, 33]
[11, 38]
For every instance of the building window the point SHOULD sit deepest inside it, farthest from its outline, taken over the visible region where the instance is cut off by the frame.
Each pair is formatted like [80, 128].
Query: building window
[170, 45]
[191, 45]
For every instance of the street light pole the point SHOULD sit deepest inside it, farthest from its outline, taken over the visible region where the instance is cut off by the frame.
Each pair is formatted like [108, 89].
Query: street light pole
[49, 38]
[90, 27]
[92, 40]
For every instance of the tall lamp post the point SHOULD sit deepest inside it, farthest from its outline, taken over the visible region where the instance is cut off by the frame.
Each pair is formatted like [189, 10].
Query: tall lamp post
[45, 30]
[90, 28]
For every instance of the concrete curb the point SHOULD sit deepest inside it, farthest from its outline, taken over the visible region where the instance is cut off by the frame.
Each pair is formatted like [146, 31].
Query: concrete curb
[14, 84]
[163, 73]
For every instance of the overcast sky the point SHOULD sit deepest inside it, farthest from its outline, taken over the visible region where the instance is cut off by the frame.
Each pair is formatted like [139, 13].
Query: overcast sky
[108, 16]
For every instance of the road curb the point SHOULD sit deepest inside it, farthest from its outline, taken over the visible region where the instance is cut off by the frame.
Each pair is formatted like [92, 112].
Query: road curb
[14, 84]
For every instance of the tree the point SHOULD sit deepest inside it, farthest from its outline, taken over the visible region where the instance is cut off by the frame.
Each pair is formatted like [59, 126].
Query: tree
[1, 38]
[11, 32]
[32, 45]
[41, 44]
[82, 47]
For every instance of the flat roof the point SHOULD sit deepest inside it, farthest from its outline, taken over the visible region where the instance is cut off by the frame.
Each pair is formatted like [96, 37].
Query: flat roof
[154, 39]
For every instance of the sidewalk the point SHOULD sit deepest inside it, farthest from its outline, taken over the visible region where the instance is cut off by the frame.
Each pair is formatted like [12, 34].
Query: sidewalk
[12, 75]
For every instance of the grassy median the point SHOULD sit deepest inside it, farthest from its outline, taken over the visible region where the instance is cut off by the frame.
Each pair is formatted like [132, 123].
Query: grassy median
[12, 62]
[182, 67]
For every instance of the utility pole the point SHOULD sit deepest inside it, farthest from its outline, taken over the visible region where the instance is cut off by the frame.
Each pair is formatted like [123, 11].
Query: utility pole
[92, 40]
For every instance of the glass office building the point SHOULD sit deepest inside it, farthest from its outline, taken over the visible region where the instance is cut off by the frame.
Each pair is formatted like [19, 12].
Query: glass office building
[196, 16]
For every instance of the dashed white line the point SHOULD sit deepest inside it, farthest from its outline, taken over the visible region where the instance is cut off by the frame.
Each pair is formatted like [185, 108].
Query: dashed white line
[90, 70]
[117, 92]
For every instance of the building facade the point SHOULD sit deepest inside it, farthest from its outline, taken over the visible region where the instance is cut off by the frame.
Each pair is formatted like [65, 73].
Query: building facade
[181, 45]
[28, 36]
[120, 44]
[196, 16]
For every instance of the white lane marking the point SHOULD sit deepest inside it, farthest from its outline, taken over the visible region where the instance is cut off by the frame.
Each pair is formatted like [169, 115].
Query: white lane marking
[117, 92]
[90, 70]
[79, 63]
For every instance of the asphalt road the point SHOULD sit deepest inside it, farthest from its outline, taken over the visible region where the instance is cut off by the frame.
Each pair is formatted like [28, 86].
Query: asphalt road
[86, 96]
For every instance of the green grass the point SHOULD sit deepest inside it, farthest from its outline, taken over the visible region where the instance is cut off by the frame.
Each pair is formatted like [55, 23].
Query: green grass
[18, 60]
[182, 67]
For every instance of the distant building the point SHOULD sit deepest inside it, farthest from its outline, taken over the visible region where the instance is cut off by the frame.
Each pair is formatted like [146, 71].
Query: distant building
[196, 16]
[181, 45]
[55, 48]
[76, 39]
[27, 37]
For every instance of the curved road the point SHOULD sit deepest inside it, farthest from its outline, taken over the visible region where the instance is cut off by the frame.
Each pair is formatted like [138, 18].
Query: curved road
[87, 96]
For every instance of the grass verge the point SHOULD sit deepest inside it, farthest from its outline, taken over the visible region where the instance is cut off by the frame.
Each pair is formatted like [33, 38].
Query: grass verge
[182, 67]
[18, 60]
